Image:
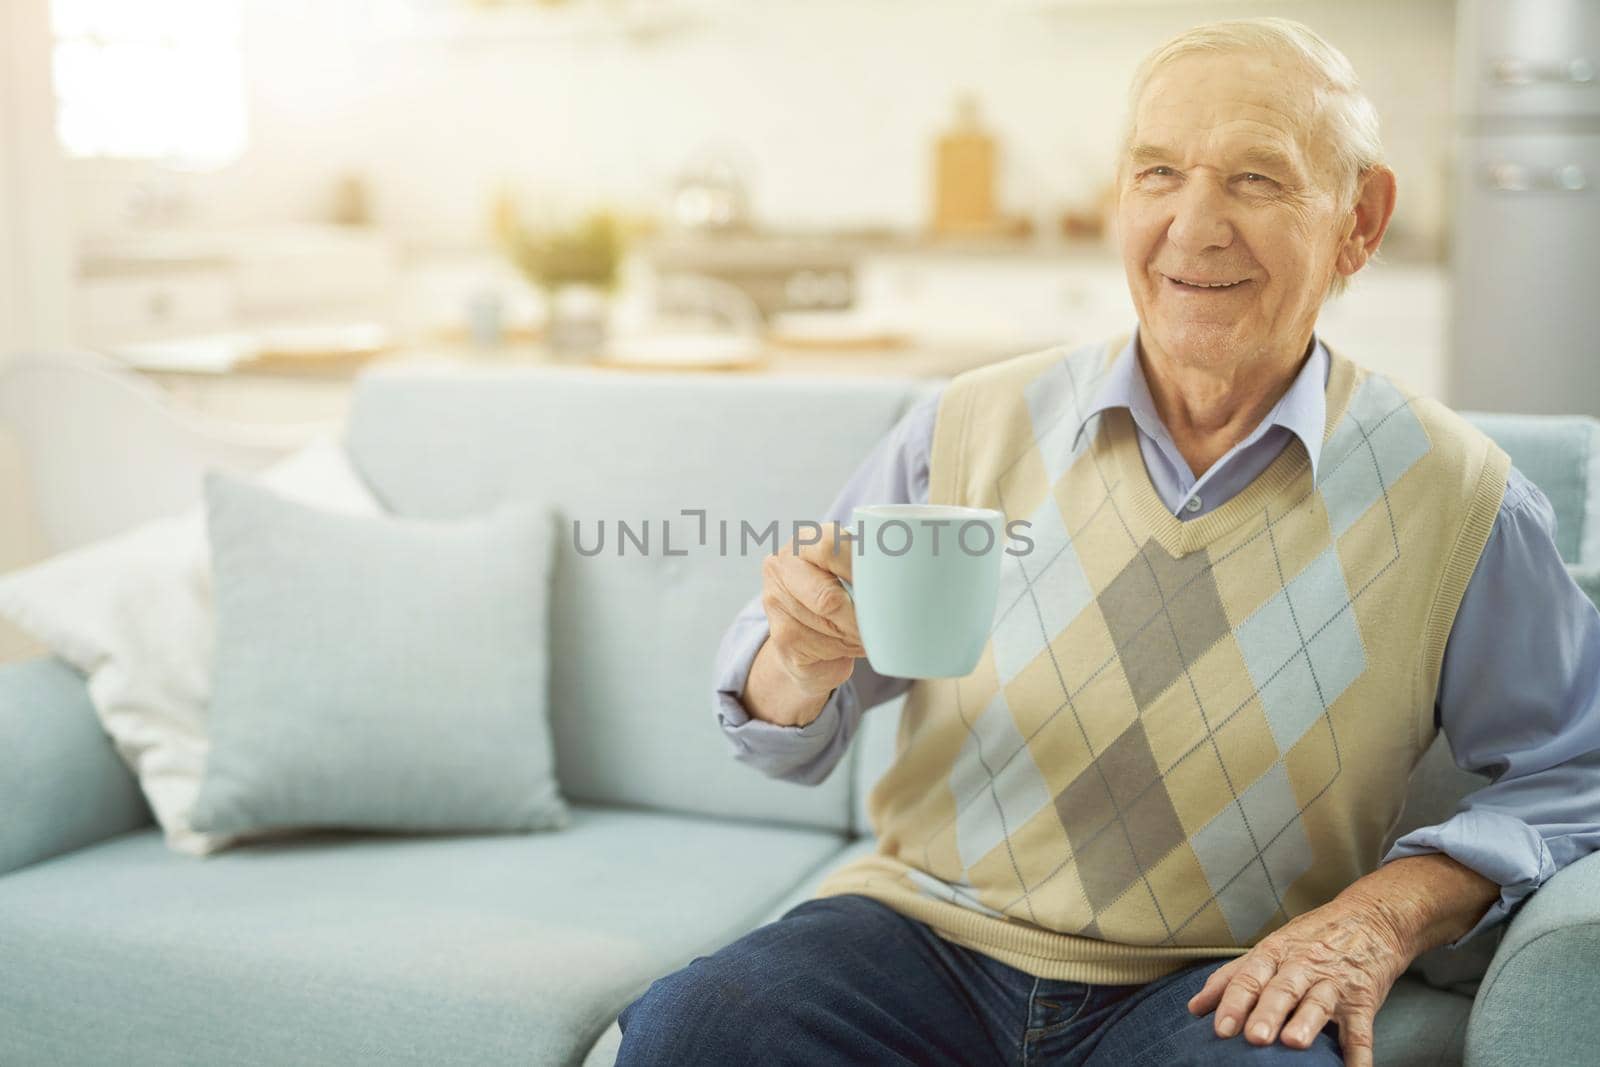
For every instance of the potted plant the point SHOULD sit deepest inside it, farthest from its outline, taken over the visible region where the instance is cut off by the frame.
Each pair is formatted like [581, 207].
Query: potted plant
[577, 268]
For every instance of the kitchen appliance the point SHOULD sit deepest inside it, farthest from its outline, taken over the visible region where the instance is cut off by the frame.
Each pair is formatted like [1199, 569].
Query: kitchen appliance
[778, 272]
[1526, 319]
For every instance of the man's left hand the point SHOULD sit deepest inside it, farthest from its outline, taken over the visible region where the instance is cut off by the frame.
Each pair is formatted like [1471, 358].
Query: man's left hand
[1337, 962]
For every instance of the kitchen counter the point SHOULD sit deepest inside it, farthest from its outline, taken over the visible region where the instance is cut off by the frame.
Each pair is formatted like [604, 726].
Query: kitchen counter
[954, 314]
[912, 359]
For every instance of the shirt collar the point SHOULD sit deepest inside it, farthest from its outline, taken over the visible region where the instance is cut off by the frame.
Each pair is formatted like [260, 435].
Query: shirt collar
[1302, 410]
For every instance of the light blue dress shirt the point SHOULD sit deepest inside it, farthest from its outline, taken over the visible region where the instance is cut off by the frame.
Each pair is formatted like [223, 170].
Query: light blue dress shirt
[1519, 690]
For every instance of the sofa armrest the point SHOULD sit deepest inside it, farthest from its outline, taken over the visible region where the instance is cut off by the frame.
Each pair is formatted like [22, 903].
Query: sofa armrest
[1537, 1002]
[63, 785]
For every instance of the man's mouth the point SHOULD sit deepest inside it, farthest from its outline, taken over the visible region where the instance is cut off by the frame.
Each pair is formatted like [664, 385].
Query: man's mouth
[1200, 285]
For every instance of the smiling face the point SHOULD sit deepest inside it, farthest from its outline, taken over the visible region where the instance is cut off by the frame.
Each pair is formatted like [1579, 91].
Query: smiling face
[1230, 224]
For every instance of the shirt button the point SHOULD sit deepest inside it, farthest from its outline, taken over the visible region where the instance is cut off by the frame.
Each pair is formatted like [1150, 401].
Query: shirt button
[1193, 505]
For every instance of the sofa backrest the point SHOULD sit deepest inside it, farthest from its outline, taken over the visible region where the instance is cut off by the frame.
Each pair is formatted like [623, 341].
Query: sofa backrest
[1561, 455]
[633, 638]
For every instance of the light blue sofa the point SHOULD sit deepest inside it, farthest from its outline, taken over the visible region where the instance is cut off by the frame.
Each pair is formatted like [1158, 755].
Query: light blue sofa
[366, 949]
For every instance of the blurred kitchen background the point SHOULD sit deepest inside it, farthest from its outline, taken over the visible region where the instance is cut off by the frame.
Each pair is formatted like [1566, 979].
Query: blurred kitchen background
[251, 201]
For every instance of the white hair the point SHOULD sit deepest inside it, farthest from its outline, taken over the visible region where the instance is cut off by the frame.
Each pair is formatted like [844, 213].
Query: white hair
[1347, 118]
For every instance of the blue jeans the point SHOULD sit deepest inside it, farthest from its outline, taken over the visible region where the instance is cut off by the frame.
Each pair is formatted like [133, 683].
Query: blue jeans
[846, 979]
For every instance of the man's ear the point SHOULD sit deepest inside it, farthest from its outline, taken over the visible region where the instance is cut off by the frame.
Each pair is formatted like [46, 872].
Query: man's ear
[1373, 209]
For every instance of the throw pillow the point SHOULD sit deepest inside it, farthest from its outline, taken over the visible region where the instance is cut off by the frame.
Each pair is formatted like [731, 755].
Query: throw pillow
[376, 672]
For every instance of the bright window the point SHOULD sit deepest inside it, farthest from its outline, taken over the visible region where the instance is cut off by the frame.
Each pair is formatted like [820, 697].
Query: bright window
[158, 79]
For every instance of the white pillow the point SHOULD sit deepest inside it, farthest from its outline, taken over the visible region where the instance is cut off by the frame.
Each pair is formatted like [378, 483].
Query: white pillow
[134, 613]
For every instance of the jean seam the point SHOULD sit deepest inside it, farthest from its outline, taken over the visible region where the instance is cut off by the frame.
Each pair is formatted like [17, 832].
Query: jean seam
[1037, 1033]
[1027, 1017]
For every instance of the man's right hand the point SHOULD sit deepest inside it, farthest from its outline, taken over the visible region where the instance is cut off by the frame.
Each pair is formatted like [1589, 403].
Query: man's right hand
[813, 642]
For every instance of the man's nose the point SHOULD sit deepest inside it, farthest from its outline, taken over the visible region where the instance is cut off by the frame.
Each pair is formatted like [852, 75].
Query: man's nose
[1200, 218]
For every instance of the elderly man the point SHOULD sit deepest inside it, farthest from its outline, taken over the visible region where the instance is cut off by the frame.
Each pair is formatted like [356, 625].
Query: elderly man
[1149, 827]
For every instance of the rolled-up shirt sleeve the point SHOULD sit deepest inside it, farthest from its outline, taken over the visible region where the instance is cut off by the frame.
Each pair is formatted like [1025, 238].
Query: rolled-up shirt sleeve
[1519, 701]
[896, 472]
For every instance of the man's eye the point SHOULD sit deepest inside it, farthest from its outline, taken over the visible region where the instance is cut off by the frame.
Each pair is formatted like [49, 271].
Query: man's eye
[1161, 172]
[1253, 178]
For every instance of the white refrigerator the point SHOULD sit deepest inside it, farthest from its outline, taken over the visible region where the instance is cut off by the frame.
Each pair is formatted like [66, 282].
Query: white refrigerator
[1525, 321]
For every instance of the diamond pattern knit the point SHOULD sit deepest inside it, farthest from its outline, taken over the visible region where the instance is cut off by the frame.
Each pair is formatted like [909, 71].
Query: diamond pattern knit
[1181, 734]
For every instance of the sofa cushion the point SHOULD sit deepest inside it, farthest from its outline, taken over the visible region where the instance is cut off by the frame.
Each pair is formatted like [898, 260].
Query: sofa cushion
[352, 949]
[631, 656]
[807, 886]
[1421, 1026]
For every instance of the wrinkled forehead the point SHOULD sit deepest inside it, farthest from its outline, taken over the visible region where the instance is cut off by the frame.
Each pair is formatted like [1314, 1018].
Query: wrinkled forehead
[1232, 103]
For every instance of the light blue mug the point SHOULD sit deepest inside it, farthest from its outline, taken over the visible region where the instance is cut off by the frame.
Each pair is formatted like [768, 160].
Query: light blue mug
[924, 581]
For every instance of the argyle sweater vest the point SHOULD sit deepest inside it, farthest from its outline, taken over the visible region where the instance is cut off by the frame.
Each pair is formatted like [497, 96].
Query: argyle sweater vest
[1181, 733]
